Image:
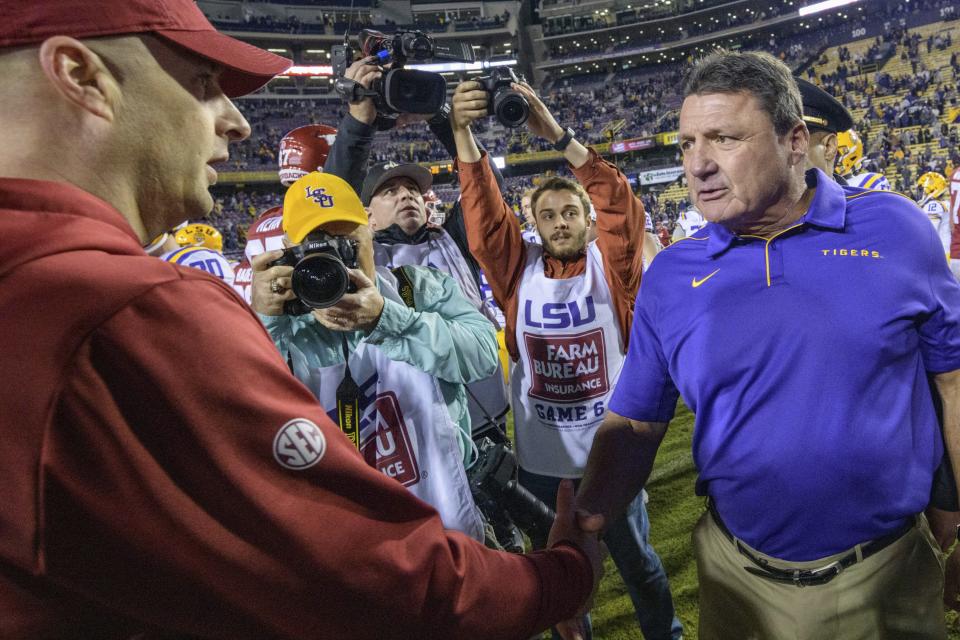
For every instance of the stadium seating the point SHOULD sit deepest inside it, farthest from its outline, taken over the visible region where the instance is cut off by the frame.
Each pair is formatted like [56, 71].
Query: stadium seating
[853, 76]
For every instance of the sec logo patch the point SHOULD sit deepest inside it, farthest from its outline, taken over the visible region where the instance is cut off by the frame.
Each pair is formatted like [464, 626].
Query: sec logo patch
[299, 445]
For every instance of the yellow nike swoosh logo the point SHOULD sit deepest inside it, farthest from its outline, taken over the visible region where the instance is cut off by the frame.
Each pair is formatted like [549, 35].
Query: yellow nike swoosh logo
[696, 283]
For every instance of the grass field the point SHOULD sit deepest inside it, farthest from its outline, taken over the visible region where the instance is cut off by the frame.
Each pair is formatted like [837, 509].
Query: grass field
[673, 511]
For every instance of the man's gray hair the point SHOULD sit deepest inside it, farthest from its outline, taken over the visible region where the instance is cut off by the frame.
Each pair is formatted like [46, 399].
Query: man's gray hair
[756, 72]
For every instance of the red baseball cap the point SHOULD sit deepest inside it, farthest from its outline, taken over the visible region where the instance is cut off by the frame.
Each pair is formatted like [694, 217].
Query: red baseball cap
[246, 68]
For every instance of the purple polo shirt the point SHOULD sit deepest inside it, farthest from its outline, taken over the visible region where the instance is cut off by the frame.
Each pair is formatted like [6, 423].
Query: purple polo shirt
[804, 357]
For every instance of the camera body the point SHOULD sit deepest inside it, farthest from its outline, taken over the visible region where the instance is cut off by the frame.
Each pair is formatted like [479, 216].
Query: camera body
[509, 105]
[503, 501]
[399, 90]
[400, 47]
[320, 276]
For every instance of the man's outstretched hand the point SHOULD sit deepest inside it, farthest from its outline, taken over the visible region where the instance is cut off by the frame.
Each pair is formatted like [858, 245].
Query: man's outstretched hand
[567, 528]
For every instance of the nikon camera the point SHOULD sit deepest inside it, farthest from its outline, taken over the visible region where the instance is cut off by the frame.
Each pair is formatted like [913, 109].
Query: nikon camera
[509, 105]
[320, 276]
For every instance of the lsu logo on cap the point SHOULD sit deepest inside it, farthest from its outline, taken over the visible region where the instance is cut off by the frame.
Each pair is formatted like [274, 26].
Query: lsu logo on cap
[316, 199]
[390, 165]
[319, 196]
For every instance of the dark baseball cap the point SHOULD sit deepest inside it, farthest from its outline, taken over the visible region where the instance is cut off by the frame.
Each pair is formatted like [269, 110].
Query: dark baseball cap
[821, 110]
[246, 68]
[380, 173]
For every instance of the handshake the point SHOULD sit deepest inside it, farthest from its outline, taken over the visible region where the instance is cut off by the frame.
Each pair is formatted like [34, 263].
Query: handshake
[583, 530]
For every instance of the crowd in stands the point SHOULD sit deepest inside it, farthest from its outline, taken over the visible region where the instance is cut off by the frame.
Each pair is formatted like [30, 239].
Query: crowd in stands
[655, 11]
[339, 21]
[712, 24]
[899, 113]
[250, 18]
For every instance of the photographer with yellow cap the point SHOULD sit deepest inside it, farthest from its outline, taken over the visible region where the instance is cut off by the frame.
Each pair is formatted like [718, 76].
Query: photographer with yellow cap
[387, 353]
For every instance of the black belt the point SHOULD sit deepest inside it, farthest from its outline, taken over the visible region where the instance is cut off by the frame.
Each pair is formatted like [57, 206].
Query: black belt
[810, 577]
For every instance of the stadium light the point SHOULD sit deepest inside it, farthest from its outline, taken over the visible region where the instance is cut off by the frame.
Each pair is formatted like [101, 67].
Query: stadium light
[462, 66]
[826, 5]
[327, 70]
[309, 70]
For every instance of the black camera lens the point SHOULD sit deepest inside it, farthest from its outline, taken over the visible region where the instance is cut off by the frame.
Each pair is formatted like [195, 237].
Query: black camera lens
[417, 46]
[413, 91]
[408, 91]
[511, 108]
[320, 280]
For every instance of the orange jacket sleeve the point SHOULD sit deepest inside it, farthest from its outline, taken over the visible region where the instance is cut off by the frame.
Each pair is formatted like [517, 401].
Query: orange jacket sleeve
[620, 221]
[493, 234]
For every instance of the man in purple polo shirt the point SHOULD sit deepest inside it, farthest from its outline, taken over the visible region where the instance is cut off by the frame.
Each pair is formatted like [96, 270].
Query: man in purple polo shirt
[799, 326]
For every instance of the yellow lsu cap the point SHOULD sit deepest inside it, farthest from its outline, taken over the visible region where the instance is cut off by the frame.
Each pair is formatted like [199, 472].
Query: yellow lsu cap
[316, 199]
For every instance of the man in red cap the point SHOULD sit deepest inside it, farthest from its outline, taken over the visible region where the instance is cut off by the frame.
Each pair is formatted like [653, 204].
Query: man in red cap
[140, 497]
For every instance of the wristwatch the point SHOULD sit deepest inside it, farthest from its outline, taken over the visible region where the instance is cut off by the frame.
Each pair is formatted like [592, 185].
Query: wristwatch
[440, 116]
[565, 140]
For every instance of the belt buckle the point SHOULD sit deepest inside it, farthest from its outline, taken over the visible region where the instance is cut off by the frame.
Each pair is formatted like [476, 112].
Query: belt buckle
[821, 573]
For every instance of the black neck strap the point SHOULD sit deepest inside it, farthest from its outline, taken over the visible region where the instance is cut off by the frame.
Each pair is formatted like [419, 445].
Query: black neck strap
[348, 400]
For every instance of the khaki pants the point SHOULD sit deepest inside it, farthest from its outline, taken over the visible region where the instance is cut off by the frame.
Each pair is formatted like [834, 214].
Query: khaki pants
[894, 594]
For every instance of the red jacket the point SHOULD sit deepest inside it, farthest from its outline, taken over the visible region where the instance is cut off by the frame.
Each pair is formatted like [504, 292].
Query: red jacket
[140, 492]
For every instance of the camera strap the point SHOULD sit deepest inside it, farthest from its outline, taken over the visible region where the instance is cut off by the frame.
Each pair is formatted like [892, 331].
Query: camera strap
[404, 287]
[348, 400]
